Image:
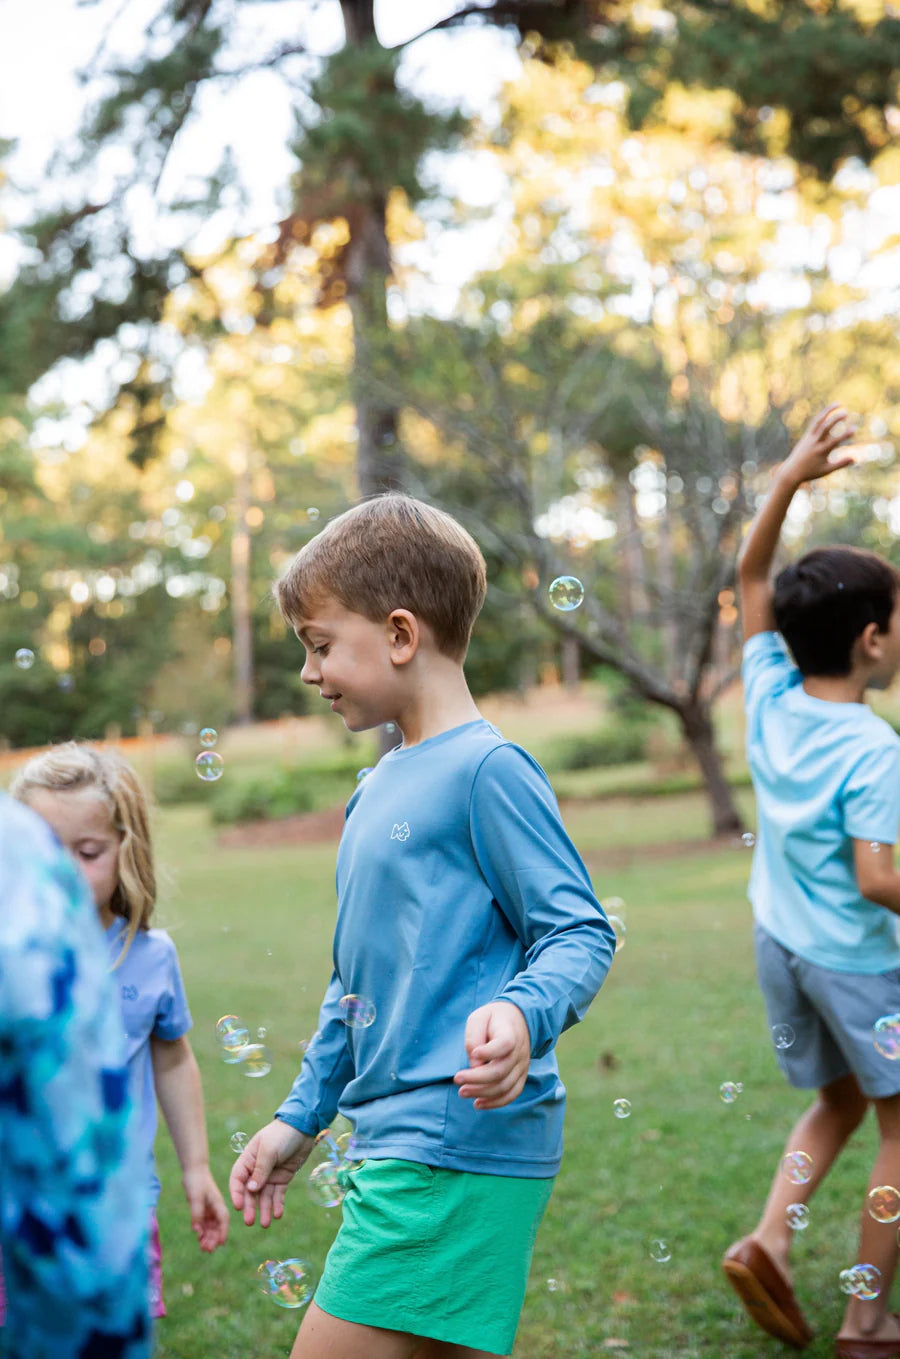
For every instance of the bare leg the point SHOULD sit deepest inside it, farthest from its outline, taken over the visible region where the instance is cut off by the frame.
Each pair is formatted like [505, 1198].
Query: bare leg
[322, 1336]
[821, 1133]
[441, 1349]
[878, 1240]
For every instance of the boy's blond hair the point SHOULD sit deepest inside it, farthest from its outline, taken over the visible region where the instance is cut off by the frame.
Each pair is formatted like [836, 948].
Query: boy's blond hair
[391, 552]
[71, 767]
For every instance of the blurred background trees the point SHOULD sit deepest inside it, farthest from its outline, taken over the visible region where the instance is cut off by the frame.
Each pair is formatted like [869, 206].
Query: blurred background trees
[691, 213]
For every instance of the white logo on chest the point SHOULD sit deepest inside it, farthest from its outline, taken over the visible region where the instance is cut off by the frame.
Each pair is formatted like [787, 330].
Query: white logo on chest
[400, 832]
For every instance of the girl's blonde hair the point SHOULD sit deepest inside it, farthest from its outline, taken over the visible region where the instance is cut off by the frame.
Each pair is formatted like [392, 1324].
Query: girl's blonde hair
[73, 766]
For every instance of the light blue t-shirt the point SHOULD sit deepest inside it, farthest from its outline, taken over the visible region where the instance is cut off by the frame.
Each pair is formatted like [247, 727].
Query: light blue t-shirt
[457, 885]
[825, 774]
[151, 993]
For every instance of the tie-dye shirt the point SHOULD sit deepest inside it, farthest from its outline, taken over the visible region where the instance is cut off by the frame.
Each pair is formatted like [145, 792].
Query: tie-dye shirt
[73, 1210]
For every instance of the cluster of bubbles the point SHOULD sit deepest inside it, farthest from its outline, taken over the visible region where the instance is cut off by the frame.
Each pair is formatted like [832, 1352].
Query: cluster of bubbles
[729, 1091]
[209, 763]
[783, 1036]
[357, 1012]
[233, 1037]
[884, 1203]
[798, 1167]
[566, 593]
[289, 1283]
[660, 1252]
[615, 914]
[797, 1215]
[861, 1281]
[622, 1108]
[333, 1158]
[24, 658]
[886, 1036]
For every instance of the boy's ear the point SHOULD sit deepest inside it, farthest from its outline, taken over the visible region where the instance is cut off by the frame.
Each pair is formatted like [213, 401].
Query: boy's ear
[869, 643]
[404, 636]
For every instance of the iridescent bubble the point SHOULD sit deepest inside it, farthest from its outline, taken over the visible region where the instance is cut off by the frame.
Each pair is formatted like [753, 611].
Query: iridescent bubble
[864, 1282]
[209, 765]
[886, 1036]
[358, 1011]
[884, 1203]
[324, 1185]
[566, 593]
[729, 1091]
[783, 1036]
[349, 1151]
[363, 772]
[289, 1283]
[255, 1060]
[390, 728]
[262, 1033]
[312, 513]
[237, 1141]
[552, 1285]
[619, 930]
[748, 839]
[24, 658]
[875, 847]
[622, 1108]
[659, 1251]
[233, 1036]
[797, 1215]
[798, 1167]
[208, 736]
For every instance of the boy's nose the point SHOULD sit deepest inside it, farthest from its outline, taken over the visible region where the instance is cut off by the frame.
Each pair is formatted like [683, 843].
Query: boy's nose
[310, 672]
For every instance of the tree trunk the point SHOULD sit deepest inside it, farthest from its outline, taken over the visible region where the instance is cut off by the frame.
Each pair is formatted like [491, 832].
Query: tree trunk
[242, 634]
[696, 723]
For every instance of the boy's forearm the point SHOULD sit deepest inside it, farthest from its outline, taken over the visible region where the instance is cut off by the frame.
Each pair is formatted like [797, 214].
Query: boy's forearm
[761, 543]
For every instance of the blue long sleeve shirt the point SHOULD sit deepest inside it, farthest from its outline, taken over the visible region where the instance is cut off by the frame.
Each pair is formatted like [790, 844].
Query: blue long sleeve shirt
[457, 885]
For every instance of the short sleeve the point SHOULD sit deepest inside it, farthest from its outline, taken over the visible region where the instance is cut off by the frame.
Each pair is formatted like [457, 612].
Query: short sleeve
[173, 1018]
[871, 795]
[766, 669]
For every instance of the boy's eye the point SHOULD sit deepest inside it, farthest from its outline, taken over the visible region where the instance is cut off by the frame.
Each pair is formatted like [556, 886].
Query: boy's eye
[319, 650]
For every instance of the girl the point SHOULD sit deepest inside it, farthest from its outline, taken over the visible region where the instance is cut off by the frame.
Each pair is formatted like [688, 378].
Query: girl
[94, 802]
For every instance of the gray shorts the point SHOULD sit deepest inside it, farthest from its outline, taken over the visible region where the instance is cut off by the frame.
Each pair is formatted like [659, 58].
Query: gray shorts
[832, 1015]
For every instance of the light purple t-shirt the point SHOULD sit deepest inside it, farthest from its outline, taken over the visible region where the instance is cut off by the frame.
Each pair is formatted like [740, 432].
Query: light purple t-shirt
[151, 993]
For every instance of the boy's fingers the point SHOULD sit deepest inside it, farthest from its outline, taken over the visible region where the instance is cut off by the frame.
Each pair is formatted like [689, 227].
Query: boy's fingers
[476, 1030]
[497, 1047]
[834, 409]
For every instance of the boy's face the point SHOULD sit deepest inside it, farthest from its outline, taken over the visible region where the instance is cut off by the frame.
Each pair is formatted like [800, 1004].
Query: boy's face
[349, 658]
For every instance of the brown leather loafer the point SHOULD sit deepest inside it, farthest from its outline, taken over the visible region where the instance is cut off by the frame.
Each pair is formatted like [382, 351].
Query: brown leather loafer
[768, 1297]
[867, 1349]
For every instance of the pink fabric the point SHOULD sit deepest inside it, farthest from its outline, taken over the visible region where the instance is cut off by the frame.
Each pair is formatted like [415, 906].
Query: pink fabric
[157, 1306]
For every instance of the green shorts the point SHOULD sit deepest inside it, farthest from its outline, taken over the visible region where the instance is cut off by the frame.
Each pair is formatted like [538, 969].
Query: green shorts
[438, 1253]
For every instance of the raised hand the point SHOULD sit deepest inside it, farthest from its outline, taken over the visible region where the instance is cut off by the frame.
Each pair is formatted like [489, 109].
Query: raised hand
[264, 1170]
[498, 1046]
[810, 458]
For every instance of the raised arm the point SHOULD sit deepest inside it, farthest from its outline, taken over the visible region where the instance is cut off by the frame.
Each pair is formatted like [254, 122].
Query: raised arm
[809, 459]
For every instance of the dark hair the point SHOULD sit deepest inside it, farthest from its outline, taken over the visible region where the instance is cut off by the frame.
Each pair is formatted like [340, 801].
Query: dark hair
[825, 600]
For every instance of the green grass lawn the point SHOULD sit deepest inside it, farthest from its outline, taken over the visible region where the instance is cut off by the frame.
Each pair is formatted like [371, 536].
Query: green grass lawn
[678, 1016]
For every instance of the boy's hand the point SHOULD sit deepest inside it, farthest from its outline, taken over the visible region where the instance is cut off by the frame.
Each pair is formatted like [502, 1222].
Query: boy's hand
[265, 1168]
[209, 1216]
[498, 1046]
[810, 457]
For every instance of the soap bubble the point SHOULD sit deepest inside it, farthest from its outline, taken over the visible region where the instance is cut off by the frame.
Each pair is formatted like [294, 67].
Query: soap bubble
[861, 1281]
[729, 1091]
[783, 1036]
[209, 765]
[884, 1203]
[238, 1141]
[659, 1251]
[24, 658]
[208, 736]
[619, 930]
[324, 1185]
[363, 772]
[358, 1011]
[875, 847]
[886, 1036]
[255, 1060]
[566, 593]
[262, 1033]
[349, 1151]
[622, 1108]
[233, 1036]
[748, 839]
[390, 728]
[797, 1215]
[66, 683]
[798, 1167]
[312, 513]
[289, 1283]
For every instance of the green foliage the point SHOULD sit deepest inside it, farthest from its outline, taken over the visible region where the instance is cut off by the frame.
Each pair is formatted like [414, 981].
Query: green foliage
[283, 793]
[623, 743]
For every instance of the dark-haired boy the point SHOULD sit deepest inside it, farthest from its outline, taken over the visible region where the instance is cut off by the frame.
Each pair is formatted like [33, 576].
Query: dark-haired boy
[826, 772]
